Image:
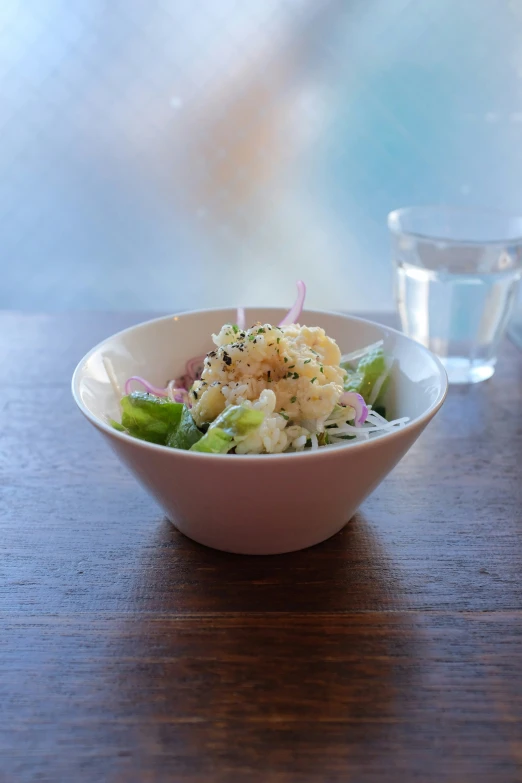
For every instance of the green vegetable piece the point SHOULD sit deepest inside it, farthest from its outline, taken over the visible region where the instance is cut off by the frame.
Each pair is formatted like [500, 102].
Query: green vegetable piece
[186, 433]
[323, 439]
[116, 425]
[369, 369]
[238, 420]
[230, 426]
[353, 380]
[216, 441]
[149, 417]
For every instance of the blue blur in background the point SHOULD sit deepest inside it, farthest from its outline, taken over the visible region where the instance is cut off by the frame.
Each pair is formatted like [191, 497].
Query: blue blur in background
[170, 154]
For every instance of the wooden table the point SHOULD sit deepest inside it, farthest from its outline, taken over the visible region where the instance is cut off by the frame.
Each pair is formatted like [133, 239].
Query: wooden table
[392, 652]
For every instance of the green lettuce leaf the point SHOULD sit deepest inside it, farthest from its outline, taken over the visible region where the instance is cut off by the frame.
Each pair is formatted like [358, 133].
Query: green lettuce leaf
[238, 420]
[150, 418]
[369, 370]
[116, 425]
[186, 433]
[216, 441]
[230, 426]
[353, 380]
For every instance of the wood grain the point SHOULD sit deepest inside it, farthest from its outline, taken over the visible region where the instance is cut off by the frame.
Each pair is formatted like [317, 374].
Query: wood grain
[392, 652]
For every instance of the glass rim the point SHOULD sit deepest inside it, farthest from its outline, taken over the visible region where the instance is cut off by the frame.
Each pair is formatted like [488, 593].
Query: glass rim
[395, 216]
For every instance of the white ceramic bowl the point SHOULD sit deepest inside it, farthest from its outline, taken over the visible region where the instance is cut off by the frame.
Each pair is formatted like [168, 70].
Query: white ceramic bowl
[263, 504]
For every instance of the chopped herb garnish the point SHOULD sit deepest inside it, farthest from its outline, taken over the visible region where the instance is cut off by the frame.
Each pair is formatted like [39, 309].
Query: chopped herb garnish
[261, 331]
[314, 351]
[307, 361]
[291, 366]
[235, 328]
[252, 337]
[293, 399]
[284, 415]
[278, 339]
[313, 379]
[285, 360]
[323, 439]
[321, 368]
[296, 375]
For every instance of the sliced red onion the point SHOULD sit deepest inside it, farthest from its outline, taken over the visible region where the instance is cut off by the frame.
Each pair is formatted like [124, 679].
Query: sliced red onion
[356, 402]
[178, 393]
[149, 387]
[240, 318]
[194, 368]
[292, 317]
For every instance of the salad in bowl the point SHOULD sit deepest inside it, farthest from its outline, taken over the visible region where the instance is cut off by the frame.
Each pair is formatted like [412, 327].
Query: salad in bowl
[268, 438]
[263, 389]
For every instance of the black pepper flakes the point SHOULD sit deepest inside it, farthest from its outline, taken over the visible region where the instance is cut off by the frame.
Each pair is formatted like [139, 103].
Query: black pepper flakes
[227, 359]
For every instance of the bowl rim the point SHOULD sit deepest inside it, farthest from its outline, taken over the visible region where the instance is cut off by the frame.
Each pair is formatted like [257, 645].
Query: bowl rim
[324, 453]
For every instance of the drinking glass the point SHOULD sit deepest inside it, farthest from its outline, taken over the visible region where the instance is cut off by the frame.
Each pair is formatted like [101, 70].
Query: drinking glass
[515, 325]
[457, 273]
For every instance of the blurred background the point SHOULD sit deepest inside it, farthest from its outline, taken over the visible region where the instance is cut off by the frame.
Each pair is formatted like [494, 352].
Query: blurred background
[170, 154]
